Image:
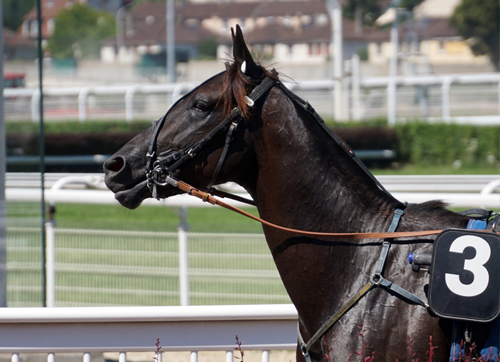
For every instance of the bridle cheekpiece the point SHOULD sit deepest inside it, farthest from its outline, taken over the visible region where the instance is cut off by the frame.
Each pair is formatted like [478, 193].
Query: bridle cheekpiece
[159, 168]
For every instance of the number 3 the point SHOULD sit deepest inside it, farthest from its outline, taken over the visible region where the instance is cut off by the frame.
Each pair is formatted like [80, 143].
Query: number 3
[475, 265]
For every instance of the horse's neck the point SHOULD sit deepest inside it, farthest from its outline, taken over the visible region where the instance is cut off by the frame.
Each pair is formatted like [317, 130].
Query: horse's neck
[306, 180]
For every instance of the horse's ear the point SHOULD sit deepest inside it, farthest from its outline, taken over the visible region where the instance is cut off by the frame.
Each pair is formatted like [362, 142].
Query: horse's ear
[242, 56]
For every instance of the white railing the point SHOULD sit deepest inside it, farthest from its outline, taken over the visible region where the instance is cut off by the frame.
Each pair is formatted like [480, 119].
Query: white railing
[457, 190]
[319, 94]
[137, 329]
[481, 193]
[87, 268]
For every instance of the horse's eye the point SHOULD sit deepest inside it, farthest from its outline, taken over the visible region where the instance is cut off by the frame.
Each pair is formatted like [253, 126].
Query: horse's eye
[200, 106]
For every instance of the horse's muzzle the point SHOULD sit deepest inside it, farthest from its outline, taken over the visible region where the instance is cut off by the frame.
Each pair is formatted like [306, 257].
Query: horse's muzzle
[116, 176]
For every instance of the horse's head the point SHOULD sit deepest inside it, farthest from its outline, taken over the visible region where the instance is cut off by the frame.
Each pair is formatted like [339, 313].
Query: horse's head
[188, 143]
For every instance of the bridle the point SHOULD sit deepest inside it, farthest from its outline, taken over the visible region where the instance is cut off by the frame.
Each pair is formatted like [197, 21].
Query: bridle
[158, 168]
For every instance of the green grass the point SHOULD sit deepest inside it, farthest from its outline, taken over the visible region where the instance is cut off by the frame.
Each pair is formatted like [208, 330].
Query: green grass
[77, 127]
[145, 218]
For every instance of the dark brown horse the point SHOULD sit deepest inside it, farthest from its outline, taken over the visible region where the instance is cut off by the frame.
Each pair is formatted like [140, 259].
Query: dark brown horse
[300, 179]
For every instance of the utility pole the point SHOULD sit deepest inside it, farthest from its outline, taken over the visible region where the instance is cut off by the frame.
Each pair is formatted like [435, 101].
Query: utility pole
[120, 30]
[42, 151]
[171, 40]
[335, 12]
[393, 69]
[3, 208]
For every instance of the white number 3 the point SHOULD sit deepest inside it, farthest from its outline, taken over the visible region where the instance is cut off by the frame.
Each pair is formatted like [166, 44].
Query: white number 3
[475, 266]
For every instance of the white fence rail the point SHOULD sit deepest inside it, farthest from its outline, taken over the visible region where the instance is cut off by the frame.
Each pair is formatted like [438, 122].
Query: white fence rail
[107, 267]
[88, 267]
[449, 97]
[136, 329]
[457, 190]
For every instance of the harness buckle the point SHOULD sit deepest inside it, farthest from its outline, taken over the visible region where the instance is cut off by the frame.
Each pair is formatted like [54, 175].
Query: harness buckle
[305, 352]
[376, 279]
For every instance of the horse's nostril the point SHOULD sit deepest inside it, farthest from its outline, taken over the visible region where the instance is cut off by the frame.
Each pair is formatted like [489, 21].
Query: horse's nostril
[114, 164]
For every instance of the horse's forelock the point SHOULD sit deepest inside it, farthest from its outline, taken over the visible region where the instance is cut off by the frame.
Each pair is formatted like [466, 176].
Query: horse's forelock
[235, 89]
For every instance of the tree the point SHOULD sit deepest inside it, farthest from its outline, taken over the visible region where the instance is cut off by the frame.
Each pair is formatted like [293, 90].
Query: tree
[367, 11]
[79, 30]
[363, 11]
[409, 4]
[477, 21]
[13, 12]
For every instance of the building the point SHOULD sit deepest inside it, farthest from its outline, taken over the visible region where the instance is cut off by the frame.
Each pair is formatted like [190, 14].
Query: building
[426, 40]
[286, 31]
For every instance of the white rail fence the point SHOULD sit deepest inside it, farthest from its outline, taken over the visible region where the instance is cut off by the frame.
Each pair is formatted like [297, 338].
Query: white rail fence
[448, 97]
[107, 267]
[457, 190]
[137, 329]
[92, 267]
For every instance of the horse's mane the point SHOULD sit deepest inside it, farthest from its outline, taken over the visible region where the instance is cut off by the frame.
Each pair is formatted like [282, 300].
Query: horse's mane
[433, 208]
[237, 86]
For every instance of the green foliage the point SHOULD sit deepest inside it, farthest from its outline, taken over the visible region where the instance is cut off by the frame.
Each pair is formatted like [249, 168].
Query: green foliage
[79, 30]
[370, 10]
[421, 143]
[14, 10]
[478, 21]
[409, 4]
[363, 53]
[208, 48]
[77, 127]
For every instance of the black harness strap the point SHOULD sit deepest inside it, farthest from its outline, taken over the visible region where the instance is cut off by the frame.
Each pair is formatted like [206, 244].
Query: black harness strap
[376, 281]
[256, 93]
[311, 111]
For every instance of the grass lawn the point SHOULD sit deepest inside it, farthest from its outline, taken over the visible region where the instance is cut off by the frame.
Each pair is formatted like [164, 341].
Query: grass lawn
[145, 218]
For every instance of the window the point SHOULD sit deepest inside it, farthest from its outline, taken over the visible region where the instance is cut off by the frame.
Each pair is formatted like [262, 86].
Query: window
[51, 24]
[319, 49]
[34, 28]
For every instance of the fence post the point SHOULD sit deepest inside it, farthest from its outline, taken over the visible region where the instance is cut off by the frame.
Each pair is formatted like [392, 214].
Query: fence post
[35, 102]
[129, 103]
[194, 356]
[445, 96]
[50, 266]
[265, 356]
[183, 256]
[499, 97]
[82, 103]
[356, 101]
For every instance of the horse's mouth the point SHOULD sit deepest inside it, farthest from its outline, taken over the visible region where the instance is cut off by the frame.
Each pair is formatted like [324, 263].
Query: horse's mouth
[133, 197]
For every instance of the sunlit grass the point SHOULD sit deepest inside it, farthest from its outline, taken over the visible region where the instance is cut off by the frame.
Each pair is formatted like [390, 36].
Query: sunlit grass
[145, 218]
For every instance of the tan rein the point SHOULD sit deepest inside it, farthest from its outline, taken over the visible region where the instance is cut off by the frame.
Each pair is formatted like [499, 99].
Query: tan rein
[212, 200]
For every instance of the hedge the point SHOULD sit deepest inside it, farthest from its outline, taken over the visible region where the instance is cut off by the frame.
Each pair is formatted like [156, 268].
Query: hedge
[444, 144]
[415, 142]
